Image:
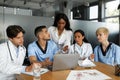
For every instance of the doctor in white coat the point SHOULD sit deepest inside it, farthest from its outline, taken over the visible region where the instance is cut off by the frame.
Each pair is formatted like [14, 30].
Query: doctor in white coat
[12, 54]
[60, 32]
[81, 46]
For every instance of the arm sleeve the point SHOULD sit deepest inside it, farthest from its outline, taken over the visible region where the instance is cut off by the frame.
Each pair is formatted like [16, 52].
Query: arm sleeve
[56, 49]
[117, 55]
[71, 51]
[49, 30]
[90, 50]
[31, 51]
[96, 54]
[68, 39]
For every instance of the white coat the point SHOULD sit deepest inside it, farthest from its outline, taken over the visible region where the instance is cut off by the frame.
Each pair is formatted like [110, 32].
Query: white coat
[85, 50]
[62, 40]
[9, 67]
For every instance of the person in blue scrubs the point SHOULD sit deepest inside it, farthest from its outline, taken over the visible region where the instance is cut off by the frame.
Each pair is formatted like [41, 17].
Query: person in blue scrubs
[43, 49]
[107, 52]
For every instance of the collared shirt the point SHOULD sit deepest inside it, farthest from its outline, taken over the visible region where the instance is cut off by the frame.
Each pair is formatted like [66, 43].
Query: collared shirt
[34, 50]
[17, 50]
[84, 50]
[62, 40]
[112, 56]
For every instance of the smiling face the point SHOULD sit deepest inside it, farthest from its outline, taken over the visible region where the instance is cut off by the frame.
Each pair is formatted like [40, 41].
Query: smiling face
[78, 38]
[18, 40]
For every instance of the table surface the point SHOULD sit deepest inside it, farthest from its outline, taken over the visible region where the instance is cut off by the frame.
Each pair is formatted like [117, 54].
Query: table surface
[62, 75]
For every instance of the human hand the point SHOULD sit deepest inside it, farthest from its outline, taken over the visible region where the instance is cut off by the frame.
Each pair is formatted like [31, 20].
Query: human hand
[92, 56]
[48, 62]
[82, 58]
[65, 48]
[30, 68]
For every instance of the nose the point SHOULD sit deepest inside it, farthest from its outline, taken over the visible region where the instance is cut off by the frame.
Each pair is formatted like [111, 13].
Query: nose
[76, 39]
[22, 39]
[61, 25]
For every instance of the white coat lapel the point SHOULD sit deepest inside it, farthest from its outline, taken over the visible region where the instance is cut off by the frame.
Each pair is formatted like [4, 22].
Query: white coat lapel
[21, 55]
[55, 35]
[12, 50]
[78, 49]
[62, 37]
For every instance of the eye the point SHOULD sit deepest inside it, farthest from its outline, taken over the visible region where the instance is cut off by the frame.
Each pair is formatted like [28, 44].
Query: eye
[78, 36]
[100, 34]
[75, 37]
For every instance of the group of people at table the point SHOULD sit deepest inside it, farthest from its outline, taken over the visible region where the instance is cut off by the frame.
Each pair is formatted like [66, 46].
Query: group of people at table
[50, 41]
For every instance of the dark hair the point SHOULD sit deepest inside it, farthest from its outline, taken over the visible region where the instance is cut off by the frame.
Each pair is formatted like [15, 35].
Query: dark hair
[13, 30]
[59, 16]
[83, 34]
[38, 29]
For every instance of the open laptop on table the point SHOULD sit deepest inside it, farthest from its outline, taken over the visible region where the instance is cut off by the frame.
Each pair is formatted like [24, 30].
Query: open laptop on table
[64, 61]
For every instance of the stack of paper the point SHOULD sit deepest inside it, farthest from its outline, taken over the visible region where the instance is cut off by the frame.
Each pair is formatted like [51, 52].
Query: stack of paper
[87, 75]
[86, 63]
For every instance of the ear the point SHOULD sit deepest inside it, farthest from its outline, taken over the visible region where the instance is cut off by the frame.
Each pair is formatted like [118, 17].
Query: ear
[83, 37]
[40, 35]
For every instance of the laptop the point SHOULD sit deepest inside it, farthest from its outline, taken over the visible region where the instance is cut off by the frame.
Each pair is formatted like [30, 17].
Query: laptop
[64, 61]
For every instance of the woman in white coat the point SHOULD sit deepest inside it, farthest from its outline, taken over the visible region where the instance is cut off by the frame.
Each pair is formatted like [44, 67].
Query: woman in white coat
[60, 32]
[12, 54]
[81, 46]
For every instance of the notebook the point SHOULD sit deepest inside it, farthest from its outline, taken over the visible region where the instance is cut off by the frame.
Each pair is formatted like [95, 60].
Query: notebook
[64, 61]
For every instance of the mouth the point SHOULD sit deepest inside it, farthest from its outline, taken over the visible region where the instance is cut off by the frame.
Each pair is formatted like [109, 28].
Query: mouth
[21, 43]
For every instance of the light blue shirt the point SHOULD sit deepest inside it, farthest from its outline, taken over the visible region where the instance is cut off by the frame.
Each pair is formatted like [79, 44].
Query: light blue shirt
[112, 56]
[34, 50]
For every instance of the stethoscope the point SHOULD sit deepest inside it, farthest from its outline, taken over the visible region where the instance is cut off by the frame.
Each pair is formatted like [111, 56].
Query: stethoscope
[74, 49]
[77, 51]
[9, 51]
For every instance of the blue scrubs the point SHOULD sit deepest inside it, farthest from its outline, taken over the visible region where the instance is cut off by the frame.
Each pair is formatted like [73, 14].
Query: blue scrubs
[34, 50]
[112, 56]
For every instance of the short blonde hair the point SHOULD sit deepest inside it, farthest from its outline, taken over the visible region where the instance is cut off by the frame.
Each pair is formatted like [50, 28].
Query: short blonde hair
[102, 29]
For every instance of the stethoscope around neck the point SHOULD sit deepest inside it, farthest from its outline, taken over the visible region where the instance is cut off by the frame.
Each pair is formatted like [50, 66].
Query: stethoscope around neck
[76, 51]
[9, 51]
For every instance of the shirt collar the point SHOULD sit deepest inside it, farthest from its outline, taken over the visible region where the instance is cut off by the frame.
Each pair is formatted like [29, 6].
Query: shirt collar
[79, 45]
[16, 48]
[56, 30]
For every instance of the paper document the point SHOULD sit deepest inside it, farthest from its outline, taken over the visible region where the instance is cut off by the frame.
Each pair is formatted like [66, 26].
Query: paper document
[87, 75]
[42, 71]
[86, 63]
